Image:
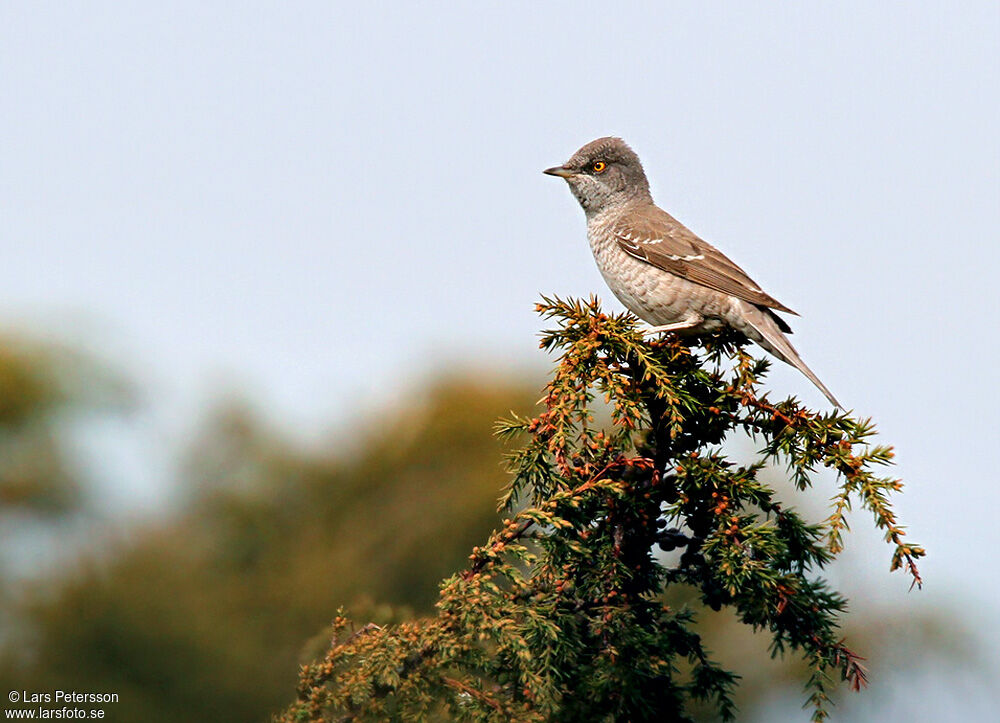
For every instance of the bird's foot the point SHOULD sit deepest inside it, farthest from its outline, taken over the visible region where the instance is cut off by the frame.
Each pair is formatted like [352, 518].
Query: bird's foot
[689, 323]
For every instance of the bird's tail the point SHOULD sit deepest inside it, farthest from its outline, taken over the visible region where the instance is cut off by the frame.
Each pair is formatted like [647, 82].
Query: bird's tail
[769, 335]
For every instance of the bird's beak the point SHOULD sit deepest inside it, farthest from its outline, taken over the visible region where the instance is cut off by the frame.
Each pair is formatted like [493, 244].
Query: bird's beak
[560, 171]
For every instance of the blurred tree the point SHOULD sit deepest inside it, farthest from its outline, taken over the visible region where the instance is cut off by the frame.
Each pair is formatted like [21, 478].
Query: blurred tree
[41, 385]
[203, 617]
[45, 389]
[560, 616]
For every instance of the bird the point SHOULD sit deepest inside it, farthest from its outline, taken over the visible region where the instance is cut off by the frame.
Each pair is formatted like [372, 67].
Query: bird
[661, 271]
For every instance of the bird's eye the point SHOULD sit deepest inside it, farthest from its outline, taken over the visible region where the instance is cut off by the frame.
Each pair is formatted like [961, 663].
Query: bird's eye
[599, 166]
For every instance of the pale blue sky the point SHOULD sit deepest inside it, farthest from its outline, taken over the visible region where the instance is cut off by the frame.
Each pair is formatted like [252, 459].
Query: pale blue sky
[316, 203]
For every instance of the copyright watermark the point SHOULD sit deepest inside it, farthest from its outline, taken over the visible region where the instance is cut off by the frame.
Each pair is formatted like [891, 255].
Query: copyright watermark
[58, 705]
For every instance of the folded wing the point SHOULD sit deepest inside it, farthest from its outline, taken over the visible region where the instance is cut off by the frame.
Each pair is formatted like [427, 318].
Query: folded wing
[656, 237]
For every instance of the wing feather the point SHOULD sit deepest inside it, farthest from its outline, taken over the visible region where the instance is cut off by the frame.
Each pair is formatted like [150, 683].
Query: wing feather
[654, 236]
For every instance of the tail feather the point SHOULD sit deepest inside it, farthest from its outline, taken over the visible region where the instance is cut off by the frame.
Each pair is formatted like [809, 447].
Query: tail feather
[769, 335]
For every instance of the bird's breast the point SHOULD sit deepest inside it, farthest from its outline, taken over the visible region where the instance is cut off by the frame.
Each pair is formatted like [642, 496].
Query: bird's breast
[652, 294]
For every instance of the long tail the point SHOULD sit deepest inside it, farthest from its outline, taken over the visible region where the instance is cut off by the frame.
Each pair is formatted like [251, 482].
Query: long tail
[769, 335]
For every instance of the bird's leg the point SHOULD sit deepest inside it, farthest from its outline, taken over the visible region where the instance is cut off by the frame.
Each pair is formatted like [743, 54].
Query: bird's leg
[689, 323]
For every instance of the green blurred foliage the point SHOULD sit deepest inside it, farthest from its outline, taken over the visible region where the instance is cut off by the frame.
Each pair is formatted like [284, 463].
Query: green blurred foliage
[42, 386]
[203, 616]
[33, 474]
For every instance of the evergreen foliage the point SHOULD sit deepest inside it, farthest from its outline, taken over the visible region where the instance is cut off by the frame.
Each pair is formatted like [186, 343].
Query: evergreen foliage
[560, 616]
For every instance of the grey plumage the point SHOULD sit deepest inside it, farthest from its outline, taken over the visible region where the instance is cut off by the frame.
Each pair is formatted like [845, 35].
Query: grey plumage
[660, 270]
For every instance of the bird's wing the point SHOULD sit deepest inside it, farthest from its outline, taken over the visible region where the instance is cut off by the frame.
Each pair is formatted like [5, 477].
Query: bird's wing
[654, 236]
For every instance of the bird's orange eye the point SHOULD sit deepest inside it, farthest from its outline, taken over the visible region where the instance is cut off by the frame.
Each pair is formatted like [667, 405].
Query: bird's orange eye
[599, 166]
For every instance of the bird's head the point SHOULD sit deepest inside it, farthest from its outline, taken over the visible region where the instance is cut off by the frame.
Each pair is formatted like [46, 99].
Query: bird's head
[604, 173]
